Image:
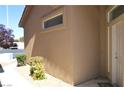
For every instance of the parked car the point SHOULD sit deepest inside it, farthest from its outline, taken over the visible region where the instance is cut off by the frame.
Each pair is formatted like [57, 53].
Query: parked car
[15, 46]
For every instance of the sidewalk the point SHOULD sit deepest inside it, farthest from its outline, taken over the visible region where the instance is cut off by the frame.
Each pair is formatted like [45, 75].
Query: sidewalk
[19, 77]
[50, 81]
[11, 78]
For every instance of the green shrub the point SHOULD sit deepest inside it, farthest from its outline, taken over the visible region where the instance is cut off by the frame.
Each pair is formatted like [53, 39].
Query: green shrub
[37, 71]
[21, 58]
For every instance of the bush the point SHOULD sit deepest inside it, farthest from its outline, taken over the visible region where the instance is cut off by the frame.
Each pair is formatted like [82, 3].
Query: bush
[21, 58]
[37, 71]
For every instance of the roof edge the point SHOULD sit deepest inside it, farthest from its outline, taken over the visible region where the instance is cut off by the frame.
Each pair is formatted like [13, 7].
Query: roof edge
[25, 14]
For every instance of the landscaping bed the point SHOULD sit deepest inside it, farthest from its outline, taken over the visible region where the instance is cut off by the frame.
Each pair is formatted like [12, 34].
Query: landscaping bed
[33, 71]
[50, 81]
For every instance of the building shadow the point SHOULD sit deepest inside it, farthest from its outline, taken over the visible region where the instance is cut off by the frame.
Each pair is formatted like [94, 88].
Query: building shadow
[0, 84]
[1, 69]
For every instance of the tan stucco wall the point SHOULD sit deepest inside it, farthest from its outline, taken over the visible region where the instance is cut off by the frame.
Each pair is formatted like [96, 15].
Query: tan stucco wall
[53, 44]
[85, 42]
[75, 51]
[103, 42]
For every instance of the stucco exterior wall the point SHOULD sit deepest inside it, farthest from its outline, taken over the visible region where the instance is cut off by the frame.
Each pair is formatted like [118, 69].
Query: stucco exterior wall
[75, 51]
[53, 44]
[86, 42]
[104, 71]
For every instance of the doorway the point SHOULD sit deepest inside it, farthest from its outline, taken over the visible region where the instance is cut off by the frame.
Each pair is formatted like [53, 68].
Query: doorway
[116, 45]
[116, 53]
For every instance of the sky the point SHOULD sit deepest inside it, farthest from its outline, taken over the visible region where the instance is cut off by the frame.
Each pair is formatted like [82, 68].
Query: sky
[14, 15]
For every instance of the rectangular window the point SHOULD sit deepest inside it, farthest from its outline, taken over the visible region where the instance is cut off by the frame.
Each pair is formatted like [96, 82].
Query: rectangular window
[54, 21]
[116, 12]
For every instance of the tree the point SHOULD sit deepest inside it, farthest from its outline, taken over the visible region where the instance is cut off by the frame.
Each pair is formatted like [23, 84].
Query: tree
[16, 40]
[6, 37]
[21, 39]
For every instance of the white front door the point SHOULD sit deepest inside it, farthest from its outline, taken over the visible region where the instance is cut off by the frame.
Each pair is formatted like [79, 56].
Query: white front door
[116, 53]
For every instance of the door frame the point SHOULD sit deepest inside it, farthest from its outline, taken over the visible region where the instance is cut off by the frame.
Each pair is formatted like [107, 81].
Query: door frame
[112, 65]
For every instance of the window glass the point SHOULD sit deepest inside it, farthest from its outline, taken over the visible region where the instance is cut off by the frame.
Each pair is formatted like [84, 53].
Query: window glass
[116, 12]
[53, 21]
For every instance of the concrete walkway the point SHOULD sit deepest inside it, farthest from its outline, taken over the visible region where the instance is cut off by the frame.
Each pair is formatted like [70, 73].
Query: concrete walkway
[50, 81]
[19, 77]
[11, 78]
[93, 83]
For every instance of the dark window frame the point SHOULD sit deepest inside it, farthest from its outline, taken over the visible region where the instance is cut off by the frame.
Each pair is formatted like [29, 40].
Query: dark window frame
[53, 21]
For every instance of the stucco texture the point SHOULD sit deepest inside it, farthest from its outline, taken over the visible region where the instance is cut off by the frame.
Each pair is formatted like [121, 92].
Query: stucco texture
[73, 50]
